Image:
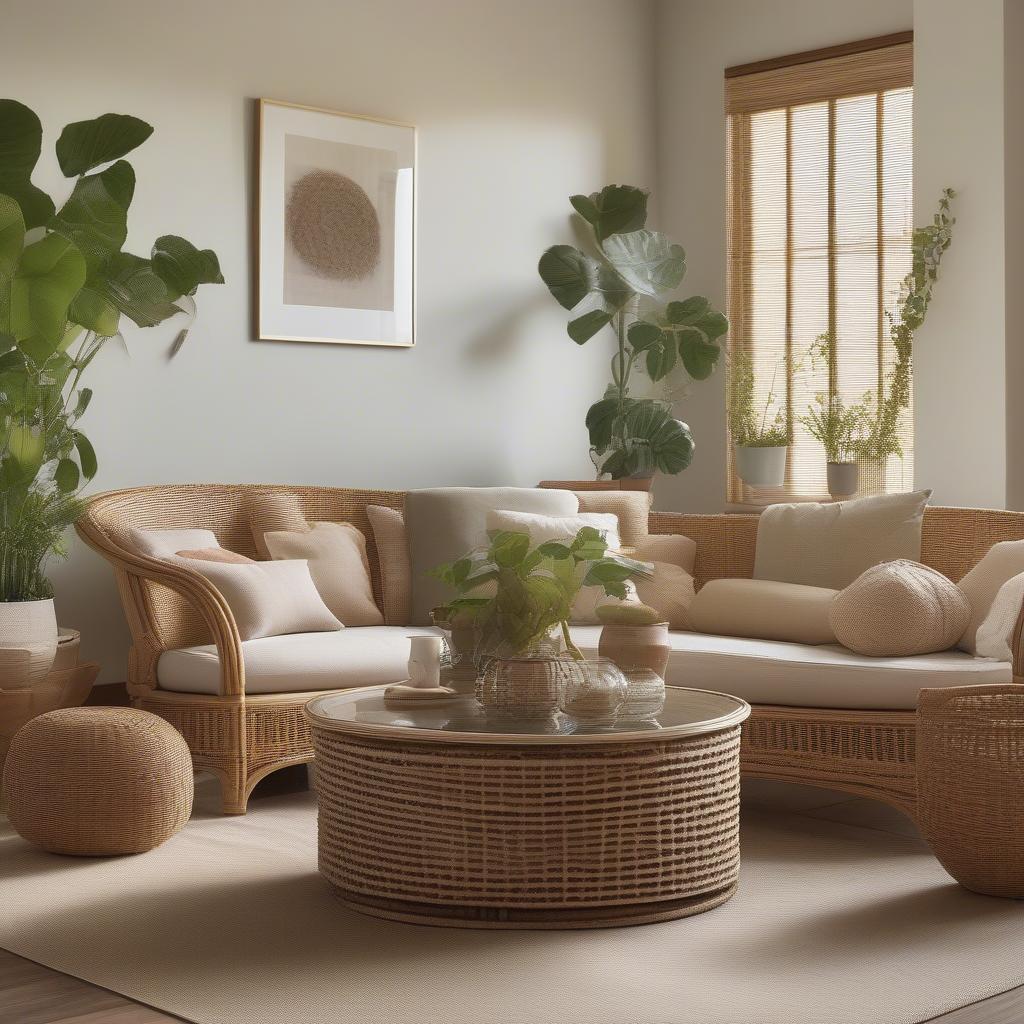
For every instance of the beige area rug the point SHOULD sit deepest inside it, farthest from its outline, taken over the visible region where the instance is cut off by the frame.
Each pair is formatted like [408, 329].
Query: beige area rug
[229, 923]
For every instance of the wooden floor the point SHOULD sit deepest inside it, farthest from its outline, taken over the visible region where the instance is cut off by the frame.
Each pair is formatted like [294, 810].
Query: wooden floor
[32, 994]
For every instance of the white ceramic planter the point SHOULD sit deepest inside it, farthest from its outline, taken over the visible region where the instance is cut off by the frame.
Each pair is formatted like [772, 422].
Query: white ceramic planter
[28, 642]
[762, 467]
[842, 478]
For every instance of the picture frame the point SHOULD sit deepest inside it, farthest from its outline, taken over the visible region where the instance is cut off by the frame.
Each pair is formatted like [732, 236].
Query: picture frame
[335, 227]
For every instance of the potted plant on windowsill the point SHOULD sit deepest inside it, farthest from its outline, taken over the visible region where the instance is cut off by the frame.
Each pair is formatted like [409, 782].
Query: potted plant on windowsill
[64, 286]
[760, 432]
[519, 598]
[622, 281]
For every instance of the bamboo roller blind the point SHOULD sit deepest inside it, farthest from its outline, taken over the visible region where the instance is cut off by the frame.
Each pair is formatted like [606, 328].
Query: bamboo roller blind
[820, 191]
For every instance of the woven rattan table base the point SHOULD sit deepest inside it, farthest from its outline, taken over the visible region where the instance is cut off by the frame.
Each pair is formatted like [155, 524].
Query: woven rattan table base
[500, 836]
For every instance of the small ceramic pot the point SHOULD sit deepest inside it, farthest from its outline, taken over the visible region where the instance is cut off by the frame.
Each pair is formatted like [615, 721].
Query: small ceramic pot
[762, 467]
[28, 642]
[637, 647]
[842, 478]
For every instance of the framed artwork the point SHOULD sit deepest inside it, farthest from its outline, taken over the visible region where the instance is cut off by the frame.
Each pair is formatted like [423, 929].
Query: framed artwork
[336, 224]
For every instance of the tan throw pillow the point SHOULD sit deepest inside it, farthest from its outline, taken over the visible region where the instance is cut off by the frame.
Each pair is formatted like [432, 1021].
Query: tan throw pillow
[268, 598]
[899, 609]
[831, 544]
[995, 634]
[273, 510]
[631, 508]
[670, 592]
[388, 525]
[764, 610]
[216, 555]
[336, 553]
[980, 585]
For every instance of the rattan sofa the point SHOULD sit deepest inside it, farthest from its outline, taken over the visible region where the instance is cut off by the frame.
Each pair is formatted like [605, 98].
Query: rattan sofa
[243, 737]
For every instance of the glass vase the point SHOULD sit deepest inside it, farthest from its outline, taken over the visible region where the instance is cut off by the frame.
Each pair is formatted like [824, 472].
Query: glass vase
[594, 692]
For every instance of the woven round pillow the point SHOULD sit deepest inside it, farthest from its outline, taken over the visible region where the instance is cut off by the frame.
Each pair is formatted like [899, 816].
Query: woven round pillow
[98, 781]
[897, 609]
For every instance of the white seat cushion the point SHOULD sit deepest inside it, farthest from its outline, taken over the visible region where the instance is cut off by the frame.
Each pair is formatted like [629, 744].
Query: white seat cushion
[798, 675]
[356, 656]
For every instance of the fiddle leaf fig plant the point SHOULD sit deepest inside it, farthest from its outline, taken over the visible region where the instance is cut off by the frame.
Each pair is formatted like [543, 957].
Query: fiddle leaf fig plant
[65, 284]
[529, 590]
[623, 282]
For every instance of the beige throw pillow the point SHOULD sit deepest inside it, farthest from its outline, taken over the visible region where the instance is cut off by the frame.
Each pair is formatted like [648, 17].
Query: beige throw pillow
[336, 553]
[164, 543]
[995, 634]
[899, 609]
[630, 508]
[980, 585]
[273, 510]
[267, 598]
[388, 525]
[831, 544]
[670, 591]
[764, 610]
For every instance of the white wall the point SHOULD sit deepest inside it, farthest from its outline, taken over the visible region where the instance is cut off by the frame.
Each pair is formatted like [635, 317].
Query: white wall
[518, 106]
[960, 361]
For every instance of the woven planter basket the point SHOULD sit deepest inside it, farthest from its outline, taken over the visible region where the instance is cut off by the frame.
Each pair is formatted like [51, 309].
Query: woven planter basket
[970, 768]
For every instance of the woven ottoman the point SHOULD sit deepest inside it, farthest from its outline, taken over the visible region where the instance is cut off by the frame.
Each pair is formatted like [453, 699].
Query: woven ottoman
[98, 781]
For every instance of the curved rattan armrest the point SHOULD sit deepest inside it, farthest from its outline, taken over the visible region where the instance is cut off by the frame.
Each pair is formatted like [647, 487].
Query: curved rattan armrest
[1017, 647]
[195, 588]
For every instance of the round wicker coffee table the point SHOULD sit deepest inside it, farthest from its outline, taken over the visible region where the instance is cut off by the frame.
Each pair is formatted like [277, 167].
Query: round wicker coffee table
[435, 815]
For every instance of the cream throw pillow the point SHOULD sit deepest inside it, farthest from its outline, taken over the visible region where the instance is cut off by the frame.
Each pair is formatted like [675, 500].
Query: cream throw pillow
[981, 584]
[831, 544]
[543, 528]
[995, 634]
[899, 609]
[388, 525]
[764, 610]
[267, 598]
[336, 553]
[670, 591]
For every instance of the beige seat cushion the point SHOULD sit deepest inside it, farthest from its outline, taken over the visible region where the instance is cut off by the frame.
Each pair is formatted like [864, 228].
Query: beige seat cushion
[670, 591]
[267, 598]
[631, 508]
[831, 544]
[336, 553]
[898, 609]
[442, 524]
[388, 525]
[800, 675]
[360, 656]
[273, 510]
[980, 585]
[765, 610]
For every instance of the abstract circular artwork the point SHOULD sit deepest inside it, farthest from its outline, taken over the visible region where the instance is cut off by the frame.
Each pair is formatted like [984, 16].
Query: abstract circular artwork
[333, 226]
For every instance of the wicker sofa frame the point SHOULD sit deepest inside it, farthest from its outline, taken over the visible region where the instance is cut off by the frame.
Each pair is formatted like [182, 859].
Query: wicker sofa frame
[242, 738]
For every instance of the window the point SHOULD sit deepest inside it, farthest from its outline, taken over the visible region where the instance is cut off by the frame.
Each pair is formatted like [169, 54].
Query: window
[820, 223]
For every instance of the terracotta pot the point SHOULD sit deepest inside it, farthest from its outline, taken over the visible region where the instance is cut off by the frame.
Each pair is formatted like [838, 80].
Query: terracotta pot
[761, 467]
[28, 642]
[637, 647]
[842, 478]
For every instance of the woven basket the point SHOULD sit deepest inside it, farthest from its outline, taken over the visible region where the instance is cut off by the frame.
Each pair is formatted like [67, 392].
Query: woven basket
[970, 769]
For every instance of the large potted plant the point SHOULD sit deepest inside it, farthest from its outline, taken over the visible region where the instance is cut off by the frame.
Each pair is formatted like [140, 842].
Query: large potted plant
[519, 598]
[622, 282]
[760, 431]
[64, 286]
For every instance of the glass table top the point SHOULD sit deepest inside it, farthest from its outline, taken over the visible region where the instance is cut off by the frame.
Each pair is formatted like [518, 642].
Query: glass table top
[461, 720]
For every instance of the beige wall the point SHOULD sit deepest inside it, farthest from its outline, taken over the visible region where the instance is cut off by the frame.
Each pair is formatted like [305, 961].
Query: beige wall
[960, 358]
[697, 40]
[518, 105]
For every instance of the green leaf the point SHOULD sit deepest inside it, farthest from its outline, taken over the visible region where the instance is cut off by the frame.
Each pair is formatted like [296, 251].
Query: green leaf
[82, 402]
[94, 312]
[583, 328]
[660, 360]
[654, 440]
[84, 145]
[66, 476]
[12, 239]
[642, 334]
[26, 445]
[21, 137]
[606, 571]
[614, 209]
[130, 285]
[183, 267]
[86, 454]
[508, 548]
[553, 549]
[686, 312]
[646, 260]
[95, 216]
[600, 419]
[568, 273]
[615, 293]
[49, 275]
[713, 324]
[698, 354]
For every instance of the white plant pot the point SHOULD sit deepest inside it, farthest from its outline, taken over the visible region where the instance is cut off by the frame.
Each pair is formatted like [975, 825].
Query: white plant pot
[843, 478]
[28, 642]
[762, 467]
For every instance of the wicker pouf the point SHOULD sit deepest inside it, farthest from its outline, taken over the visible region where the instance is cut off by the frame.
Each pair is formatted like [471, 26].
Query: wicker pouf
[98, 781]
[970, 779]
